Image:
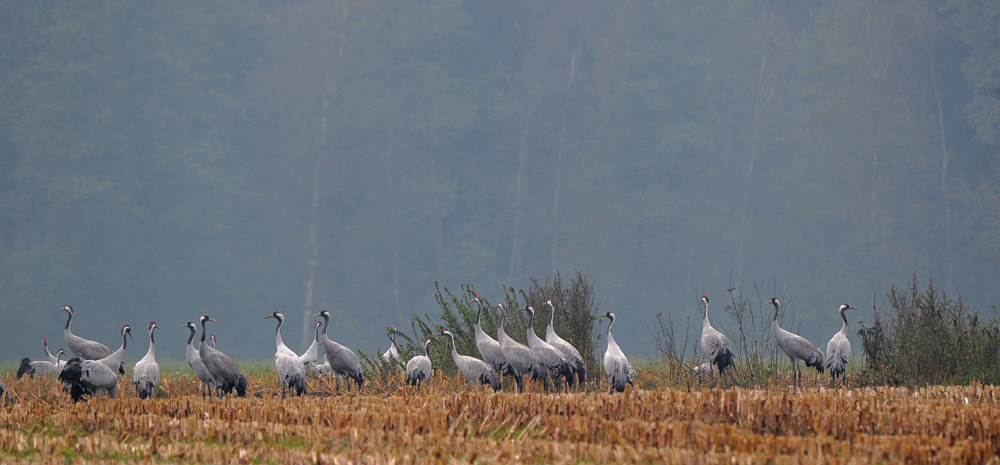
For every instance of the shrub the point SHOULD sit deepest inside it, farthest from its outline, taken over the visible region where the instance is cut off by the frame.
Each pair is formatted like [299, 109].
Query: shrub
[927, 338]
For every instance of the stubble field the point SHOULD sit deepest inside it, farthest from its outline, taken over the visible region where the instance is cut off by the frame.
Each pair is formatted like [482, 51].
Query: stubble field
[450, 422]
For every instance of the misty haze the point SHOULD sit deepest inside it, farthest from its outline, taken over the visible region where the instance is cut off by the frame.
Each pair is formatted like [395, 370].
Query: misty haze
[168, 159]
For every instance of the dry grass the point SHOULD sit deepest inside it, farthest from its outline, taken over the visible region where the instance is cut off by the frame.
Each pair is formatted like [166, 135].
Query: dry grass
[450, 422]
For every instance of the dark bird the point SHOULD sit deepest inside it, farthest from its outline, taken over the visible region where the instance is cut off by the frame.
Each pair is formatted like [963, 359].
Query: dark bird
[89, 377]
[343, 361]
[714, 344]
[225, 372]
[418, 368]
[795, 346]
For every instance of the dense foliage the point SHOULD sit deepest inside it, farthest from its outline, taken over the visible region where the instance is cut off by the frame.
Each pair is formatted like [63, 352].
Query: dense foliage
[164, 160]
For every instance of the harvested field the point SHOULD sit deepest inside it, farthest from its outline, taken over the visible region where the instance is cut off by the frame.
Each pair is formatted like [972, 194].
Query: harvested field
[448, 423]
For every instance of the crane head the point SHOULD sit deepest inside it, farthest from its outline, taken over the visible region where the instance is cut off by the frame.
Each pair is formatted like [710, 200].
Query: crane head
[323, 313]
[205, 318]
[189, 324]
[704, 298]
[60, 353]
[152, 326]
[276, 315]
[67, 309]
[531, 311]
[127, 330]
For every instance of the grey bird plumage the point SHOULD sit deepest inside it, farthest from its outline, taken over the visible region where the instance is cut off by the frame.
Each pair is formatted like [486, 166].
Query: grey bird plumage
[488, 347]
[343, 361]
[225, 372]
[194, 361]
[476, 371]
[291, 370]
[418, 368]
[116, 361]
[41, 367]
[839, 348]
[715, 344]
[89, 377]
[146, 374]
[392, 354]
[616, 364]
[552, 358]
[795, 346]
[83, 348]
[568, 351]
[520, 358]
[312, 353]
[48, 355]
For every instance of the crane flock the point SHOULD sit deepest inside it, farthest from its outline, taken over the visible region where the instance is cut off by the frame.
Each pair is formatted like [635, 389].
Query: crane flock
[91, 369]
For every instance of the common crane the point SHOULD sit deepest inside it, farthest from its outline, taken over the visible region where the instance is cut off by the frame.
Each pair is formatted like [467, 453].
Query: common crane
[225, 372]
[418, 368]
[41, 367]
[392, 354]
[488, 347]
[48, 355]
[291, 370]
[309, 356]
[194, 361]
[715, 344]
[343, 361]
[616, 365]
[476, 371]
[568, 351]
[795, 346]
[116, 361]
[89, 377]
[552, 358]
[84, 348]
[146, 374]
[521, 359]
[839, 348]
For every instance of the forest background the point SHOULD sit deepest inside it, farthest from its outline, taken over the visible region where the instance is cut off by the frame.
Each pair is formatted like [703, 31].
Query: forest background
[160, 160]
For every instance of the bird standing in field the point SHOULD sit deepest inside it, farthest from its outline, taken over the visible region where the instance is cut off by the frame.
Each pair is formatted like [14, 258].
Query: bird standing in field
[89, 377]
[796, 347]
[291, 370]
[194, 361]
[520, 358]
[116, 361]
[41, 367]
[839, 348]
[146, 375]
[83, 348]
[568, 351]
[714, 344]
[309, 356]
[476, 371]
[418, 368]
[392, 354]
[552, 358]
[616, 365]
[224, 371]
[488, 347]
[48, 355]
[342, 361]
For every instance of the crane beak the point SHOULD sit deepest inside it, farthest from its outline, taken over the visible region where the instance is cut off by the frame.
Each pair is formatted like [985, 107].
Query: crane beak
[156, 326]
[213, 319]
[318, 315]
[130, 335]
[268, 316]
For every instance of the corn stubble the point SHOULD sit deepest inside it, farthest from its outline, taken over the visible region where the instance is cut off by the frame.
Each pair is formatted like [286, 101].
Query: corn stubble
[449, 422]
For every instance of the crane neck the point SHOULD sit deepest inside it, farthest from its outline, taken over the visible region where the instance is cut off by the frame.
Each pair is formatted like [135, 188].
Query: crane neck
[479, 313]
[843, 316]
[503, 313]
[124, 340]
[454, 351]
[277, 334]
[427, 348]
[191, 336]
[317, 333]
[550, 330]
[69, 319]
[611, 337]
[204, 332]
[706, 322]
[152, 348]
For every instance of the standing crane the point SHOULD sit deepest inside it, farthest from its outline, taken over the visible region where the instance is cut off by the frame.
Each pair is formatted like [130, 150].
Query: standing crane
[714, 344]
[222, 368]
[392, 354]
[116, 361]
[488, 347]
[616, 365]
[309, 356]
[795, 346]
[89, 377]
[146, 374]
[839, 348]
[418, 368]
[476, 371]
[568, 351]
[84, 348]
[41, 367]
[194, 361]
[343, 361]
[521, 359]
[291, 370]
[551, 357]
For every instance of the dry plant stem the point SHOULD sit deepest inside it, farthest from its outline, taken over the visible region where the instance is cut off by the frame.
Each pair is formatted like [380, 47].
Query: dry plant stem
[450, 423]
